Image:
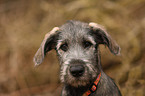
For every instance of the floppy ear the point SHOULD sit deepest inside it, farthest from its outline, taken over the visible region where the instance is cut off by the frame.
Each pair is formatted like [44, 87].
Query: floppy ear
[102, 37]
[47, 44]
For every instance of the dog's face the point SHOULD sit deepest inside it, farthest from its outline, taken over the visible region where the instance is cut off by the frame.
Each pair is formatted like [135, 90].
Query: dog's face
[77, 51]
[76, 44]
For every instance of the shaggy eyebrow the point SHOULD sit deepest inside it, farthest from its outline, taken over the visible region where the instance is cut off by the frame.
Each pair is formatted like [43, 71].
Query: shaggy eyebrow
[90, 39]
[60, 42]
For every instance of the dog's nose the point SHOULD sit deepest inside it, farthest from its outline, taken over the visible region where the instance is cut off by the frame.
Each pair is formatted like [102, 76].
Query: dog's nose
[77, 70]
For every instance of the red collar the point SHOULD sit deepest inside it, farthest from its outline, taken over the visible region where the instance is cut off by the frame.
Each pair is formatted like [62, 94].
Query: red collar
[94, 86]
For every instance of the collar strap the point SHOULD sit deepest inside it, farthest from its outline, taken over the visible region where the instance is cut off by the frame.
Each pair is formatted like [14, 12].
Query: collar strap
[93, 88]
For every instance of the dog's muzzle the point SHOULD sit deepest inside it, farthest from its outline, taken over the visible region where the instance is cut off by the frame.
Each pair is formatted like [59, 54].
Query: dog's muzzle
[77, 70]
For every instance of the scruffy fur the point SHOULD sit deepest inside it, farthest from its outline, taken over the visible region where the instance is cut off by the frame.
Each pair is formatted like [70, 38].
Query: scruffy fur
[77, 44]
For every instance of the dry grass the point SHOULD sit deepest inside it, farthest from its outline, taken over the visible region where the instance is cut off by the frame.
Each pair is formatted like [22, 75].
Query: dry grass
[23, 24]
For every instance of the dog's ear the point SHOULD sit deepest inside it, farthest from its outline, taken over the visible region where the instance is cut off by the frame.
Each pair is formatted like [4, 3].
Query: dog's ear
[48, 43]
[102, 37]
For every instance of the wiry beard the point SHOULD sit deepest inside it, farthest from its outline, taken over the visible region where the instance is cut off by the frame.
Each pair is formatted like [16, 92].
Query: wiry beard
[89, 75]
[76, 82]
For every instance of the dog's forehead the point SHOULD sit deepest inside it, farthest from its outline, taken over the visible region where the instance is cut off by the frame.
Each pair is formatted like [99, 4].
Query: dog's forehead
[73, 29]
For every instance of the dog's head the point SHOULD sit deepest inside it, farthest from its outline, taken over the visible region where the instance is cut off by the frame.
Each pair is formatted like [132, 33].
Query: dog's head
[76, 44]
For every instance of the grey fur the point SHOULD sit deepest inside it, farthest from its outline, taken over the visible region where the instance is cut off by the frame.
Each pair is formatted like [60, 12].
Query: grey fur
[69, 41]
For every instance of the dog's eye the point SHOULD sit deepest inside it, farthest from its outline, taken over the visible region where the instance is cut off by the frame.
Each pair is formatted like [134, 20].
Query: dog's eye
[87, 44]
[64, 47]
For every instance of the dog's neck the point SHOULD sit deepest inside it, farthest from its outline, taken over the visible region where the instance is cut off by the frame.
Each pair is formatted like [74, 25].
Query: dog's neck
[104, 87]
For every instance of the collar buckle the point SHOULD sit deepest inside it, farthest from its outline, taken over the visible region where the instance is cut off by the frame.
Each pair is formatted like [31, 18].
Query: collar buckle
[93, 88]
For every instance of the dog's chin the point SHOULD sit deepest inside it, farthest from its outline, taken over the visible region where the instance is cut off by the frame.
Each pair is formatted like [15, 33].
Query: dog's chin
[77, 82]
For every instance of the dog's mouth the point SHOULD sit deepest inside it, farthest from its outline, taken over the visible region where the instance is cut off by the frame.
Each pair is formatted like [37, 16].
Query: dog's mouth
[76, 82]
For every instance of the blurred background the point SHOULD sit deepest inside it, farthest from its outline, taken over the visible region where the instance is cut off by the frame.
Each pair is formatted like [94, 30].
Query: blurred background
[23, 24]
